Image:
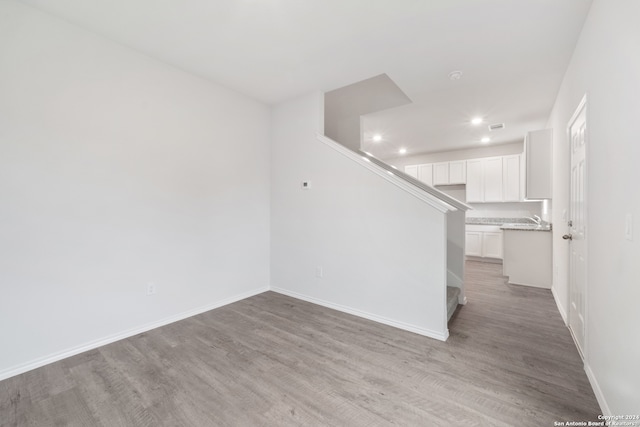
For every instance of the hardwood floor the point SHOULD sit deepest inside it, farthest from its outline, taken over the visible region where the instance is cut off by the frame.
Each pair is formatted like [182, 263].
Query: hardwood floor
[271, 360]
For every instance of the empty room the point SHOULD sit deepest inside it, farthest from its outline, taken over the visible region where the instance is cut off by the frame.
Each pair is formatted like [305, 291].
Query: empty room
[319, 213]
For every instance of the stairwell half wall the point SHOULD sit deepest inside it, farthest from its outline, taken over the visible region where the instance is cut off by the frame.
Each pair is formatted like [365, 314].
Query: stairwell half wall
[380, 251]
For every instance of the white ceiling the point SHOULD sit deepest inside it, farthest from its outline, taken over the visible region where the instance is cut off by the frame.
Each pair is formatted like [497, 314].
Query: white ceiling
[513, 54]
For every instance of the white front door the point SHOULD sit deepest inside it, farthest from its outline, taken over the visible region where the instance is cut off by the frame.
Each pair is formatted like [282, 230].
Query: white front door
[577, 236]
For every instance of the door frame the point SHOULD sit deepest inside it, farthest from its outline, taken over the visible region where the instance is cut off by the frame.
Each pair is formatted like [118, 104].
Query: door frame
[583, 104]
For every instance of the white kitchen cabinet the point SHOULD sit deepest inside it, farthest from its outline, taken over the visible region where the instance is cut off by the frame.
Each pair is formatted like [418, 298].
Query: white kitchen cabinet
[458, 172]
[511, 175]
[538, 147]
[411, 170]
[483, 241]
[492, 244]
[473, 243]
[492, 179]
[441, 173]
[475, 181]
[425, 173]
[450, 173]
[484, 180]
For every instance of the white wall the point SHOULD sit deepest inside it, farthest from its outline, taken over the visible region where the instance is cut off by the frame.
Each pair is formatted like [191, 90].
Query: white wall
[117, 170]
[505, 210]
[605, 66]
[381, 249]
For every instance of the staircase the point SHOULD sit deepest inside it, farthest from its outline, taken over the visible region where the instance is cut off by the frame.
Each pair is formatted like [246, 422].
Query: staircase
[452, 300]
[453, 215]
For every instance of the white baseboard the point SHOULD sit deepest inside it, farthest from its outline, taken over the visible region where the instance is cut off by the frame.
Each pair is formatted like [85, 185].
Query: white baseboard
[483, 259]
[560, 307]
[380, 319]
[41, 361]
[604, 407]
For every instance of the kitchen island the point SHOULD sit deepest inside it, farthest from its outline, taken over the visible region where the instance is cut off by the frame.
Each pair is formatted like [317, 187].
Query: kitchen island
[527, 255]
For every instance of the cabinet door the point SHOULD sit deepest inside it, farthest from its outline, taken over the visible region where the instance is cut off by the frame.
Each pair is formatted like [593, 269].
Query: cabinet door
[475, 185]
[511, 178]
[473, 243]
[441, 173]
[425, 173]
[493, 179]
[458, 172]
[492, 244]
[411, 170]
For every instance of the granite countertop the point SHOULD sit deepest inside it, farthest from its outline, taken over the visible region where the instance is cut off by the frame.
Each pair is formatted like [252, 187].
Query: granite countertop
[519, 224]
[498, 221]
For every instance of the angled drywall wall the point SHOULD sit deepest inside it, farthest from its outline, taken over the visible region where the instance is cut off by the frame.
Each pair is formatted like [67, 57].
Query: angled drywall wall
[344, 107]
[117, 171]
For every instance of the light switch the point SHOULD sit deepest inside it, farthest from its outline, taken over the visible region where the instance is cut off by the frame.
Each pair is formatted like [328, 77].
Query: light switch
[305, 185]
[628, 227]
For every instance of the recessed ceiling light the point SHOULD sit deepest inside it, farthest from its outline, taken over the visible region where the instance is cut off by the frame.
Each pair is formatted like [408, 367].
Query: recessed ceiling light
[377, 137]
[476, 120]
[402, 151]
[485, 140]
[455, 75]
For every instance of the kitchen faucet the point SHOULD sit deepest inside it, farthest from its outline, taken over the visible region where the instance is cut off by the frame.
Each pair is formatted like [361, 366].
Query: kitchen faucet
[536, 219]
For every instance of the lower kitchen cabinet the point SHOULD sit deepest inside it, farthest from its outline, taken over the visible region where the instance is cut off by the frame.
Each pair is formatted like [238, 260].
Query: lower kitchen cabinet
[473, 243]
[483, 241]
[492, 244]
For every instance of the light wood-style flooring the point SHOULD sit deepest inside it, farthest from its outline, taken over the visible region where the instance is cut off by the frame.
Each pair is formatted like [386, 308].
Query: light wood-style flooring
[271, 360]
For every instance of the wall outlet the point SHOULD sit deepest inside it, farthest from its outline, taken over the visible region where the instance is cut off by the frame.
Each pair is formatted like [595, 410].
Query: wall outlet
[151, 289]
[319, 273]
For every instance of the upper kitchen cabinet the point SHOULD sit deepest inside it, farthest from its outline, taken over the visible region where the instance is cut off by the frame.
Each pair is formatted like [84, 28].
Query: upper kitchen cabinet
[458, 172]
[450, 173]
[475, 181]
[484, 180]
[411, 170]
[538, 154]
[493, 184]
[444, 173]
[494, 179]
[423, 173]
[441, 173]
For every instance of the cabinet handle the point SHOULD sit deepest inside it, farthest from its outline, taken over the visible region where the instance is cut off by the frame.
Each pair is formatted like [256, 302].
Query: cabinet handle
[567, 237]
